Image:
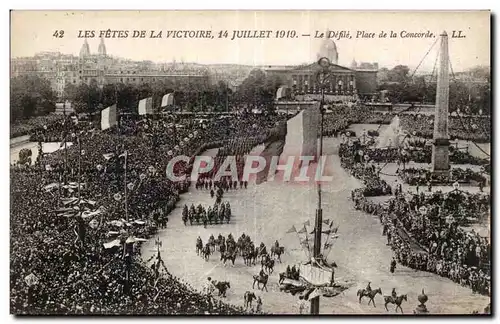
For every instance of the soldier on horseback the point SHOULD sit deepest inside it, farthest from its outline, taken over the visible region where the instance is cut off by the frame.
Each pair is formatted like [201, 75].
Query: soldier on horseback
[262, 274]
[368, 287]
[276, 244]
[394, 294]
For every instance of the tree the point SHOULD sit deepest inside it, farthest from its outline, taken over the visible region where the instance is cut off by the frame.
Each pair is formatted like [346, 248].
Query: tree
[30, 96]
[259, 88]
[399, 73]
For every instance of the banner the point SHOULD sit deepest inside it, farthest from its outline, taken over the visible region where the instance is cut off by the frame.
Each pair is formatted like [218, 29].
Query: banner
[146, 106]
[167, 100]
[108, 117]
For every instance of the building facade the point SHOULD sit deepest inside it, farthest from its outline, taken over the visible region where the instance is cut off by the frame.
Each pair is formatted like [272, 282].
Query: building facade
[344, 83]
[61, 69]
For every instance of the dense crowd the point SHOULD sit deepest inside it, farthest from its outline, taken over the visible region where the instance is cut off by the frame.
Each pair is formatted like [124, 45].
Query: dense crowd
[425, 235]
[76, 226]
[35, 125]
[353, 158]
[420, 154]
[425, 229]
[417, 176]
[474, 128]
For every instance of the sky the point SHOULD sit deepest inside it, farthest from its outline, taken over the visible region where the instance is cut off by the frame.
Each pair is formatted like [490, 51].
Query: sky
[33, 31]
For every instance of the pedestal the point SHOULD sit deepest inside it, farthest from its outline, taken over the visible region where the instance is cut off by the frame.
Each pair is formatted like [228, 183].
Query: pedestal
[441, 157]
[421, 310]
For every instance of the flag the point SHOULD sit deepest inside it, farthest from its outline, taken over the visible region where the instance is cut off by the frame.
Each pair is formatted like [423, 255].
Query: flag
[273, 147]
[282, 92]
[167, 100]
[303, 230]
[307, 223]
[112, 244]
[291, 230]
[108, 156]
[66, 137]
[326, 221]
[145, 106]
[108, 117]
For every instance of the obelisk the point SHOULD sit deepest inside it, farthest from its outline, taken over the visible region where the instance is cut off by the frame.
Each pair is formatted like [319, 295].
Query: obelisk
[440, 150]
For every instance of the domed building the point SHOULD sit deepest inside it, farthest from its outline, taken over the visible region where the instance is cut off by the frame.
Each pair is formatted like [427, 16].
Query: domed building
[344, 83]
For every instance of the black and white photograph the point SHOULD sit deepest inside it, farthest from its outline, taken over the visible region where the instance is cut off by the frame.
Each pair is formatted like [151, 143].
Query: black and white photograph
[250, 162]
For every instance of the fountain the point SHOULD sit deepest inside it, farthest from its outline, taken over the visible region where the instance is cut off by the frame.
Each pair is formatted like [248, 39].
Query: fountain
[392, 136]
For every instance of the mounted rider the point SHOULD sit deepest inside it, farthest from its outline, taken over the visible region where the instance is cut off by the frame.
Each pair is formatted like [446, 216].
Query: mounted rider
[276, 244]
[368, 287]
[393, 293]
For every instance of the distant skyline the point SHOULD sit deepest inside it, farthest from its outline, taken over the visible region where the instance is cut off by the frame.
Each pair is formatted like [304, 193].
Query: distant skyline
[32, 32]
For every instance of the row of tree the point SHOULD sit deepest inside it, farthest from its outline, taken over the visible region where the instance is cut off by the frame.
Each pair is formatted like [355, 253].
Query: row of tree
[30, 96]
[401, 87]
[190, 96]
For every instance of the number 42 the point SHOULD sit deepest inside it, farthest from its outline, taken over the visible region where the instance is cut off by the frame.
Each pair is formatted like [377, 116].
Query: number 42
[59, 33]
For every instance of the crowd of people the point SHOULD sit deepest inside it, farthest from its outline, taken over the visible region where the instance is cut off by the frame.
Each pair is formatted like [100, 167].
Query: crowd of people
[34, 125]
[473, 128]
[78, 218]
[353, 159]
[419, 176]
[425, 235]
[426, 229]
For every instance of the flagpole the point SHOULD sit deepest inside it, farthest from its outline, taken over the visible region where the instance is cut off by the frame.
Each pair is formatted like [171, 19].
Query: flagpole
[125, 183]
[79, 168]
[325, 64]
[65, 139]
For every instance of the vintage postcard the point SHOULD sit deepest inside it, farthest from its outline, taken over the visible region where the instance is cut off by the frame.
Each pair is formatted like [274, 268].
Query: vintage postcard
[250, 162]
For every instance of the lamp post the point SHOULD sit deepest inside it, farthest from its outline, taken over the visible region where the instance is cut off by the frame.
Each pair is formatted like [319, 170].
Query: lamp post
[322, 80]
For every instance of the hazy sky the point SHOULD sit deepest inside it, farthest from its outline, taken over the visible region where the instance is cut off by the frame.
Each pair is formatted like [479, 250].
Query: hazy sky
[32, 31]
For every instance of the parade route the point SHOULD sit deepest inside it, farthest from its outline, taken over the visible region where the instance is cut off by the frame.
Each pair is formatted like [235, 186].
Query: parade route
[360, 252]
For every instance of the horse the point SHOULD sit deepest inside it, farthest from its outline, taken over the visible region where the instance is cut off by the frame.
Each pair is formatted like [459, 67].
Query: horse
[205, 252]
[222, 287]
[248, 256]
[396, 301]
[211, 243]
[268, 265]
[278, 251]
[199, 246]
[248, 298]
[228, 256]
[260, 280]
[370, 294]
